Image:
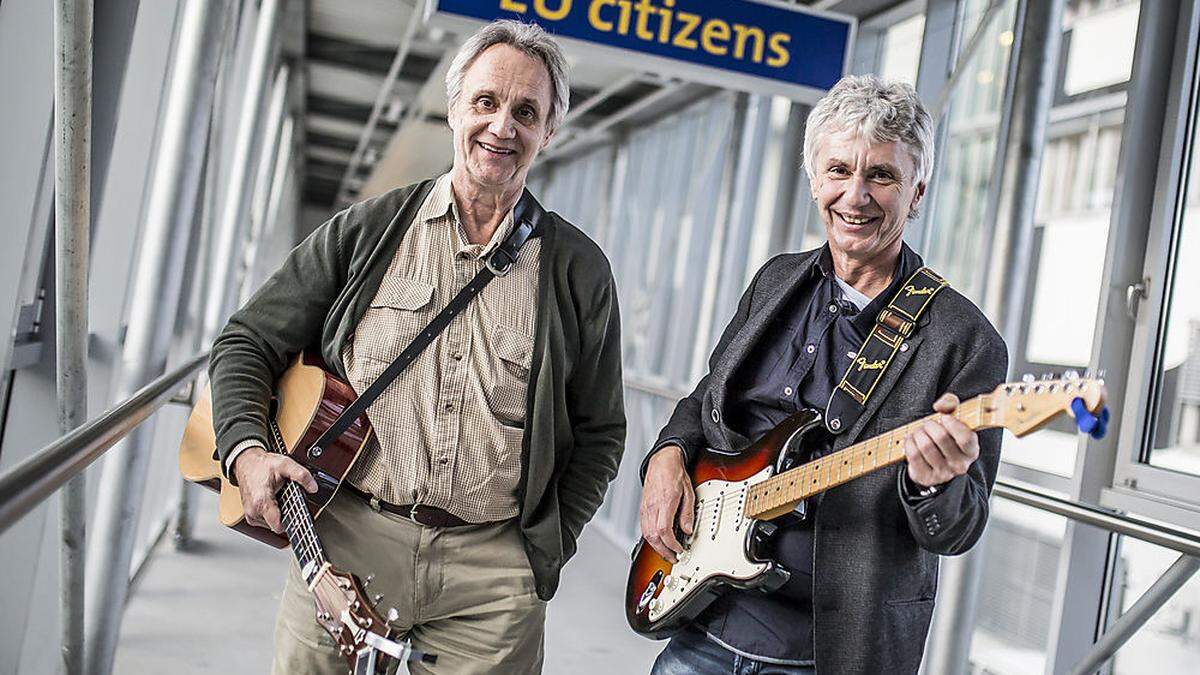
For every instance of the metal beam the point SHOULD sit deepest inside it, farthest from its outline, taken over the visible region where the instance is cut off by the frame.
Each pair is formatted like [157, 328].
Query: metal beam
[385, 94]
[72, 226]
[236, 208]
[1131, 621]
[154, 299]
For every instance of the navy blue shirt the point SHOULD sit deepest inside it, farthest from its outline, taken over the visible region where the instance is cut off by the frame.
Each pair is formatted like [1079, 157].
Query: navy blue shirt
[796, 365]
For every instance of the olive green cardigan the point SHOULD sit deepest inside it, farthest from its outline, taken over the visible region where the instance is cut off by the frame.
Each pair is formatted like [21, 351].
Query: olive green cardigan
[575, 428]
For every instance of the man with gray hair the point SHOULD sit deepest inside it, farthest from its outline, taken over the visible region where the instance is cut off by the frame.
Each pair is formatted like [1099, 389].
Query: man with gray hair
[494, 448]
[863, 556]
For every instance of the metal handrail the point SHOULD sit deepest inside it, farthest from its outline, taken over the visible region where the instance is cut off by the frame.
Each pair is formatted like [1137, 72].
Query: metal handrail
[29, 483]
[1154, 533]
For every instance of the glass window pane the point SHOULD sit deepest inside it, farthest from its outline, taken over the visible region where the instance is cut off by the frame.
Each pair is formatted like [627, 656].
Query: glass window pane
[1016, 593]
[901, 53]
[962, 181]
[1175, 428]
[1170, 641]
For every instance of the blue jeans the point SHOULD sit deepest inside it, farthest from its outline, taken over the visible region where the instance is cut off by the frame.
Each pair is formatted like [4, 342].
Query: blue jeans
[692, 653]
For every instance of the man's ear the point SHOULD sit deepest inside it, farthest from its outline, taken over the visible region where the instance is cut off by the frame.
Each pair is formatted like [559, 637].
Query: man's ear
[546, 139]
[917, 196]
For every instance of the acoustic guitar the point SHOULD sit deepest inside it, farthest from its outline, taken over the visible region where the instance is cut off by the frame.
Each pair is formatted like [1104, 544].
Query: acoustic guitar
[308, 398]
[738, 496]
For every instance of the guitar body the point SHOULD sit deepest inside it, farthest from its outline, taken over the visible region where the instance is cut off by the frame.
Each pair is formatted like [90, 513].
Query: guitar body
[308, 398]
[741, 498]
[723, 551]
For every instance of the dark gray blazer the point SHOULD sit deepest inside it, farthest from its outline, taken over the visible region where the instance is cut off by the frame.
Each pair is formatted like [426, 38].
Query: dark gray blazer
[876, 556]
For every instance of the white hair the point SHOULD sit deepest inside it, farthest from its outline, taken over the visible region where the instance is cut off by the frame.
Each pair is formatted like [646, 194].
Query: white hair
[528, 38]
[880, 111]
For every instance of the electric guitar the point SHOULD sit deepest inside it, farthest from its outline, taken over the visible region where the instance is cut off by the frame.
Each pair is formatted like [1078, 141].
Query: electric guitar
[308, 399]
[737, 496]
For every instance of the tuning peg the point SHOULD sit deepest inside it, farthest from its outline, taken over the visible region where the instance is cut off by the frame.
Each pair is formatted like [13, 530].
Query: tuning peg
[368, 580]
[1071, 375]
[1047, 376]
[376, 599]
[1028, 378]
[392, 614]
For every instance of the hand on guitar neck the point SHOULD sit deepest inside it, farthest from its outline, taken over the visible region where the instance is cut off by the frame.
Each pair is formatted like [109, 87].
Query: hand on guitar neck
[260, 476]
[942, 448]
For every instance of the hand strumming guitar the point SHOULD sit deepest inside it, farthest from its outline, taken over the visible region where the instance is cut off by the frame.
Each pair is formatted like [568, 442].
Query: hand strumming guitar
[260, 475]
[667, 486]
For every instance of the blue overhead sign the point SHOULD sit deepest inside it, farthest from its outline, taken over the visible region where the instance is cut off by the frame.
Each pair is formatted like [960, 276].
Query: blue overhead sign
[741, 44]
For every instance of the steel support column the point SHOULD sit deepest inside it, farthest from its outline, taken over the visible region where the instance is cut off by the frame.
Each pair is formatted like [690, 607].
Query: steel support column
[268, 156]
[72, 227]
[155, 295]
[236, 208]
[268, 218]
[1040, 35]
[1131, 621]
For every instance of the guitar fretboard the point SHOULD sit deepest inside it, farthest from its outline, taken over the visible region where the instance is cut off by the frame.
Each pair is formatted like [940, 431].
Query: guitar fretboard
[298, 522]
[779, 494]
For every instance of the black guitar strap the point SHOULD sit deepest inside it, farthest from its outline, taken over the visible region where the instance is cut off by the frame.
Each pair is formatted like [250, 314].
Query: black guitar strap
[894, 324]
[527, 215]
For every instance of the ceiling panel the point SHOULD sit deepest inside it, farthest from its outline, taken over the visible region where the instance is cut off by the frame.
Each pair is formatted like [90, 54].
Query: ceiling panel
[375, 22]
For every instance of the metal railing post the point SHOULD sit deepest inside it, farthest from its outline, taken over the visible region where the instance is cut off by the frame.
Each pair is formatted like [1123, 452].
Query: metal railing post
[171, 201]
[236, 207]
[72, 227]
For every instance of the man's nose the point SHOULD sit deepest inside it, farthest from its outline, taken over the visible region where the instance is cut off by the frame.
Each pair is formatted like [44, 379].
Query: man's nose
[859, 191]
[503, 124]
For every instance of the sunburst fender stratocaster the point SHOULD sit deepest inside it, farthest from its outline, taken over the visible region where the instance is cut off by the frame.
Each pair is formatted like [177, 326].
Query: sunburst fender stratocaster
[737, 497]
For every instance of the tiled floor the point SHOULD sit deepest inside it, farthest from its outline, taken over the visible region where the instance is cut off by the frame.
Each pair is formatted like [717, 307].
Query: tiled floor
[212, 609]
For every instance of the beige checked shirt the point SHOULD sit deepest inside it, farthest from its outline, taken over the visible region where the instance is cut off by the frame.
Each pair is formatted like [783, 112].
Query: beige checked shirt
[450, 427]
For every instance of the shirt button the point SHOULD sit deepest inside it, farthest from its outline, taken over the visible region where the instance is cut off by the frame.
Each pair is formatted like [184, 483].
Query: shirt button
[810, 349]
[457, 356]
[443, 461]
[449, 406]
[787, 391]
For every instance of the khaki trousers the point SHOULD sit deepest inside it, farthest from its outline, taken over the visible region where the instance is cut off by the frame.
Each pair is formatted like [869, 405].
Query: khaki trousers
[463, 593]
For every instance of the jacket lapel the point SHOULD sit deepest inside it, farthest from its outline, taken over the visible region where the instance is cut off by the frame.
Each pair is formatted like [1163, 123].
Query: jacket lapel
[756, 324]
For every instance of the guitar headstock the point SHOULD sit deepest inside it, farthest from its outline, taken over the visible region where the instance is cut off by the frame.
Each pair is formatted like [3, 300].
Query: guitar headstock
[1022, 407]
[363, 636]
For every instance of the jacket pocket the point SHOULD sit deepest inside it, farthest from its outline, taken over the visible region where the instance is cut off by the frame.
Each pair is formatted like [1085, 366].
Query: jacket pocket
[398, 312]
[512, 353]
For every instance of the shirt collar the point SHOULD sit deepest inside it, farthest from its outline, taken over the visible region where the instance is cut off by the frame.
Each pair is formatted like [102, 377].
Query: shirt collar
[908, 263]
[445, 210]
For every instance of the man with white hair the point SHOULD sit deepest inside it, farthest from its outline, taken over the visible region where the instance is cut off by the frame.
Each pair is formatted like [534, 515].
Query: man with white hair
[496, 445]
[863, 561]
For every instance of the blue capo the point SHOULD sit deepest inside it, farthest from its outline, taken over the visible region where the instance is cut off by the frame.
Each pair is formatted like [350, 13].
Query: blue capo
[1093, 425]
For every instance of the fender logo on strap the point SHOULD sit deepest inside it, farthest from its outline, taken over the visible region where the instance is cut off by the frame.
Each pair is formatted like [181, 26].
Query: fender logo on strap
[911, 290]
[873, 365]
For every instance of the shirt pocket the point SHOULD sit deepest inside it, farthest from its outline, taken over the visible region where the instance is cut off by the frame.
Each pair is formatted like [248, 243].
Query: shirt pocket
[398, 312]
[512, 355]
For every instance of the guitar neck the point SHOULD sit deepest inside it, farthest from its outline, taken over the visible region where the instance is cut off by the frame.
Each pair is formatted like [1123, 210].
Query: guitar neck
[779, 494]
[298, 521]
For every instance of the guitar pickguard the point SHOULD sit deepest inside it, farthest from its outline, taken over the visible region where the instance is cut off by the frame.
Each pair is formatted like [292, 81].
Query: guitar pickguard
[718, 550]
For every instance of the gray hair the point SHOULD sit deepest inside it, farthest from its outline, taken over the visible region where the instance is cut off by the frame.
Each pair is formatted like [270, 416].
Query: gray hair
[528, 38]
[881, 111]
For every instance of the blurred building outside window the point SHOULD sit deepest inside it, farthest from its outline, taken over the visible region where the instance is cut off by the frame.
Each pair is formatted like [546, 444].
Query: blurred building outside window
[1170, 641]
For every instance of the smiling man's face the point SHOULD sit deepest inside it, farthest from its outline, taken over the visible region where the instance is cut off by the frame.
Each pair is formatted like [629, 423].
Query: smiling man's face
[500, 120]
[864, 192]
